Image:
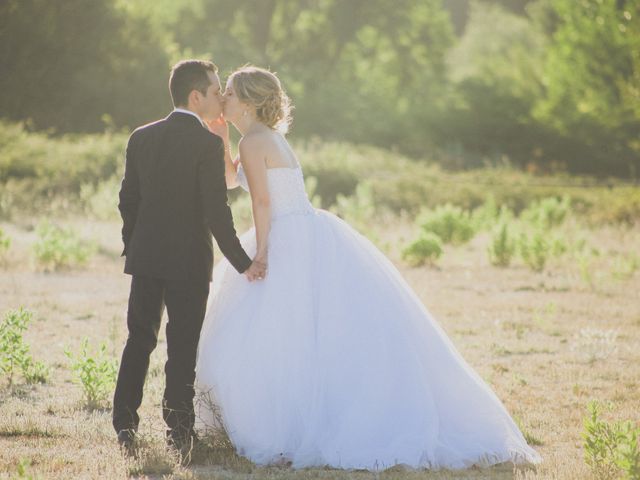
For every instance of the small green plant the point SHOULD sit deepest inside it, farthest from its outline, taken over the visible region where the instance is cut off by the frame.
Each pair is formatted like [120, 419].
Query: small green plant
[35, 372]
[558, 245]
[534, 249]
[426, 249]
[95, 373]
[452, 224]
[547, 213]
[502, 246]
[58, 247]
[22, 471]
[611, 449]
[5, 244]
[14, 352]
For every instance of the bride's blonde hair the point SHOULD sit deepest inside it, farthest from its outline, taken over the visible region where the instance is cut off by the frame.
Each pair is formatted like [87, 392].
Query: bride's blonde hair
[261, 88]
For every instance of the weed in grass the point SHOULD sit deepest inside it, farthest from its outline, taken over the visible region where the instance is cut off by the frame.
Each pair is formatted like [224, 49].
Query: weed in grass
[96, 374]
[610, 448]
[534, 249]
[22, 470]
[5, 244]
[502, 246]
[58, 247]
[14, 351]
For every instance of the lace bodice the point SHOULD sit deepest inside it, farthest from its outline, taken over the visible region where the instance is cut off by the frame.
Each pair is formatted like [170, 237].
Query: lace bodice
[287, 192]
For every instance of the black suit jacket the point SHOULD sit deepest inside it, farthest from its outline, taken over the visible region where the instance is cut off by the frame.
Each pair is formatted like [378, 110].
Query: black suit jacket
[172, 198]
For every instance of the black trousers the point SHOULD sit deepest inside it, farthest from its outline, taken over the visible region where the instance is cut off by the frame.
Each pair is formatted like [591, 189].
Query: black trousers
[186, 304]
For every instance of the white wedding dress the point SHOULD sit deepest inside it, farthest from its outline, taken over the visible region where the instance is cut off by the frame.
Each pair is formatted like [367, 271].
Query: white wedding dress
[332, 360]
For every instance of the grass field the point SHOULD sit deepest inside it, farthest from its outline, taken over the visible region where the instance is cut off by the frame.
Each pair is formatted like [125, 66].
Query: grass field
[547, 342]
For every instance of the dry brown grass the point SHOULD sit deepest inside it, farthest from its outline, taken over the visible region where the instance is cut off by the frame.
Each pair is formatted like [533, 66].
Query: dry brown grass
[537, 338]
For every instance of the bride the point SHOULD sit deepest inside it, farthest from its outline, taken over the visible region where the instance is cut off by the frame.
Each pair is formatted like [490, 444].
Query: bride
[331, 360]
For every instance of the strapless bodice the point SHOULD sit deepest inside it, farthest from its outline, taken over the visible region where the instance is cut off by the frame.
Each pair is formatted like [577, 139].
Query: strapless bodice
[287, 193]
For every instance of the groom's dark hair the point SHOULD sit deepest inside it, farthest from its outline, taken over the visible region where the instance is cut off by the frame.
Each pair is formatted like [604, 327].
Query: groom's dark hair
[189, 75]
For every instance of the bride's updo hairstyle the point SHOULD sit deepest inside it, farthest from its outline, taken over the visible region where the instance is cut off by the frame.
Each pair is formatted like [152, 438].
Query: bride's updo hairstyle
[262, 89]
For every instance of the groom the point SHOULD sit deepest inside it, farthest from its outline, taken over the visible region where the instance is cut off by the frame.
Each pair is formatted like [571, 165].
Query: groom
[173, 197]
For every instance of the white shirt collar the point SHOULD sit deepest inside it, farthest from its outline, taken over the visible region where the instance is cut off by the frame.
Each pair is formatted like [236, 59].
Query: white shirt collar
[189, 112]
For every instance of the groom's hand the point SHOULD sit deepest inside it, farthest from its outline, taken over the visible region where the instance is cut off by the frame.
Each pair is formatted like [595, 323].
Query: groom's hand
[256, 271]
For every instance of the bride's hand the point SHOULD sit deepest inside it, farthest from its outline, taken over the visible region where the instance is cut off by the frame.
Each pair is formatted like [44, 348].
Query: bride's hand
[261, 258]
[219, 127]
[256, 271]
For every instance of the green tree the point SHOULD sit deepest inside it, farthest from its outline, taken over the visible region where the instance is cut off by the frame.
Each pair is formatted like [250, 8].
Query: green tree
[497, 78]
[592, 83]
[67, 64]
[364, 70]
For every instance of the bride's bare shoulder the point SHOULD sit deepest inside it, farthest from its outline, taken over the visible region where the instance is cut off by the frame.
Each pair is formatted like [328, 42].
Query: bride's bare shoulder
[258, 139]
[253, 146]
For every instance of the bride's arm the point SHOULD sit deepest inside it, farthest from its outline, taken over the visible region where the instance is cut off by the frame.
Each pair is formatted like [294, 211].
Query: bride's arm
[220, 128]
[230, 168]
[255, 169]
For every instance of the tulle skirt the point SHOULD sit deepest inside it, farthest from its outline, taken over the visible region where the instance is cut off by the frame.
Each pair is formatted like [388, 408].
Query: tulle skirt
[332, 360]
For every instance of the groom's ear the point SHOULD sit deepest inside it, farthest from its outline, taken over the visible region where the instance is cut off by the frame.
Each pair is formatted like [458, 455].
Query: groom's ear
[194, 98]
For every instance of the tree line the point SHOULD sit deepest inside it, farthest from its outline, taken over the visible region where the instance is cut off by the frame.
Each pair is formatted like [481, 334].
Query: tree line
[545, 84]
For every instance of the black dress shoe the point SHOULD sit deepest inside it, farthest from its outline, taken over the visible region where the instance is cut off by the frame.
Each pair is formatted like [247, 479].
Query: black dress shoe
[126, 439]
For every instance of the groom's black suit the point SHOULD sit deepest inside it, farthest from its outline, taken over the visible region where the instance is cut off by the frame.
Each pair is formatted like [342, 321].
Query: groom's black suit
[173, 197]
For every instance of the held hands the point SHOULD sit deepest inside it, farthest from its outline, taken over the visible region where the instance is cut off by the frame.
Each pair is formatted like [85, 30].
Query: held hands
[256, 271]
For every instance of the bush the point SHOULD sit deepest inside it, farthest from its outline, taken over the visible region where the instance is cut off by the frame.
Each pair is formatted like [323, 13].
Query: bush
[534, 249]
[96, 374]
[37, 177]
[502, 247]
[485, 216]
[450, 223]
[58, 247]
[426, 249]
[610, 449]
[37, 156]
[620, 205]
[547, 212]
[14, 352]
